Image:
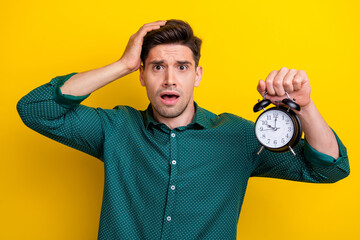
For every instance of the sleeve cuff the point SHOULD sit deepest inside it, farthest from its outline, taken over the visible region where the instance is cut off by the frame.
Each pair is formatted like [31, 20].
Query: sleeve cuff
[67, 101]
[320, 159]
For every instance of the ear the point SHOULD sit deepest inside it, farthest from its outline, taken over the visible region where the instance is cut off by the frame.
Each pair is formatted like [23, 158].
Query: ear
[198, 76]
[142, 82]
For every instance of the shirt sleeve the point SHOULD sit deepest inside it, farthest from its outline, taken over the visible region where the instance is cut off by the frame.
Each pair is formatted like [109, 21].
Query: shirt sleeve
[67, 101]
[322, 160]
[308, 165]
[62, 118]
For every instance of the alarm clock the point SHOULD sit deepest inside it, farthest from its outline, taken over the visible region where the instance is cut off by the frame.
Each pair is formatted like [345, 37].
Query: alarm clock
[278, 129]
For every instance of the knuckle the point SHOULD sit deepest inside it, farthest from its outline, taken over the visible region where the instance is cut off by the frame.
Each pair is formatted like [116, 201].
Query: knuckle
[284, 69]
[271, 92]
[287, 83]
[297, 80]
[277, 83]
[301, 73]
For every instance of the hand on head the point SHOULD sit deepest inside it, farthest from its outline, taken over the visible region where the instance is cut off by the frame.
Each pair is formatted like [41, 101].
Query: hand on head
[131, 55]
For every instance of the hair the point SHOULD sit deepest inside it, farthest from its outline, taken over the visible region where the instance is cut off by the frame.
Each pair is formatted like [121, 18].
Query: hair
[174, 31]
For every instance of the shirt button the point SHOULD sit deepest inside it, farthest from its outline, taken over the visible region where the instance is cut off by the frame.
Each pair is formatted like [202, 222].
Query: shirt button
[168, 218]
[173, 162]
[173, 134]
[173, 187]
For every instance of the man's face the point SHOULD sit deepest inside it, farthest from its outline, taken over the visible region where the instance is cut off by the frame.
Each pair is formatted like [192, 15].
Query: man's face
[170, 77]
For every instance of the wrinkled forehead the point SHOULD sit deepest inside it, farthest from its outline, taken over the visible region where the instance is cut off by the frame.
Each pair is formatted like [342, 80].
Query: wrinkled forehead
[170, 53]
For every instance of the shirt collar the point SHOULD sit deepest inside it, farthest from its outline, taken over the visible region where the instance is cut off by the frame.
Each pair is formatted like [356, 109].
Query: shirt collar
[199, 120]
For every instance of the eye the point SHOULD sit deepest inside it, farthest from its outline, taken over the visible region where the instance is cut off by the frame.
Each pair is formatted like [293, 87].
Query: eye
[158, 67]
[182, 67]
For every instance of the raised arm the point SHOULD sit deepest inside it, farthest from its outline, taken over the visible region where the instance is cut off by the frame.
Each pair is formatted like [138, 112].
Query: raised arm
[87, 82]
[321, 157]
[317, 133]
[54, 109]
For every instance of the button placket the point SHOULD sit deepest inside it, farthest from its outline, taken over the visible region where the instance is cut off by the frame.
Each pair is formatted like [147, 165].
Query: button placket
[170, 203]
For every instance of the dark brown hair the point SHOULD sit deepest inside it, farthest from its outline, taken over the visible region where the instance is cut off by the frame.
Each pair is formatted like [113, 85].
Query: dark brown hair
[174, 31]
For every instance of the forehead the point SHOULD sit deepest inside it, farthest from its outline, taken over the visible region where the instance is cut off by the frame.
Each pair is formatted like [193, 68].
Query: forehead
[170, 52]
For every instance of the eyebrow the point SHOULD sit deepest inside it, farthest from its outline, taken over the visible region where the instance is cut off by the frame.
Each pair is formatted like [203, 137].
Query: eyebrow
[184, 62]
[156, 62]
[162, 61]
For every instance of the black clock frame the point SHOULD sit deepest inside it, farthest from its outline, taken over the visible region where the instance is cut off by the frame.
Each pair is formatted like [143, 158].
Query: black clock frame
[297, 129]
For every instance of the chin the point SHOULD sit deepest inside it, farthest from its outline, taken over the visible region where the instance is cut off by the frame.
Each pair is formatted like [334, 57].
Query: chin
[170, 111]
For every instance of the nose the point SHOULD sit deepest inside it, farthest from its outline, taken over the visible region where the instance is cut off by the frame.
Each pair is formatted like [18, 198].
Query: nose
[170, 78]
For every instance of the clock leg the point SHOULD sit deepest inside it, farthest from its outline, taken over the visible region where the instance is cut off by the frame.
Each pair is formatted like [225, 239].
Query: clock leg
[262, 147]
[292, 150]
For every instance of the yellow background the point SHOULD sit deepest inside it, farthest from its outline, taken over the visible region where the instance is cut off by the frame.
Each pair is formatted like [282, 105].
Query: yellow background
[49, 191]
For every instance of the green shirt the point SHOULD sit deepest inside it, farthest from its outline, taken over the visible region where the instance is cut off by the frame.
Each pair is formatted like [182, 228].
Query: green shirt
[184, 183]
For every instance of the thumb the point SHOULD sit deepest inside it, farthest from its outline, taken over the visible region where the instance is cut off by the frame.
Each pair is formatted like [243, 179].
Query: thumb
[261, 87]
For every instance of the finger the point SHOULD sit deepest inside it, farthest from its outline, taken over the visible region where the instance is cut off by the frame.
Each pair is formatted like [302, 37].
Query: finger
[288, 80]
[269, 82]
[279, 81]
[151, 26]
[140, 34]
[157, 22]
[261, 87]
[299, 79]
[162, 22]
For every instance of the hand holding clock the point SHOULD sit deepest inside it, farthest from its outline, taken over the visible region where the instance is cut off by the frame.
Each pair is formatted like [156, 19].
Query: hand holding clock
[296, 84]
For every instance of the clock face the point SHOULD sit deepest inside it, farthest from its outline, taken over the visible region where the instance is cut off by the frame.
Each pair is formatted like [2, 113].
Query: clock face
[274, 128]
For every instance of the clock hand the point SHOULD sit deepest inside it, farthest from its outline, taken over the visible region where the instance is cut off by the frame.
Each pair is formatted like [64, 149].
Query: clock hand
[271, 127]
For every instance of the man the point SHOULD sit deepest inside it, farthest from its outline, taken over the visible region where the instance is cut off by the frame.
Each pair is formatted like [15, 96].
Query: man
[176, 170]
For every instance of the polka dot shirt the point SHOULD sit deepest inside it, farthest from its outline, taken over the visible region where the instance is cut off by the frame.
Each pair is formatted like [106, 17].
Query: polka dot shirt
[162, 183]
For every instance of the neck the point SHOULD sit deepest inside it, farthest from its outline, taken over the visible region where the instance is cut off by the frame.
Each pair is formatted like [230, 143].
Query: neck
[183, 119]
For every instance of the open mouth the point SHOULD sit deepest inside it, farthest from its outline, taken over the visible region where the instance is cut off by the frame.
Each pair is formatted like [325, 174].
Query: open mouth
[169, 98]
